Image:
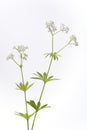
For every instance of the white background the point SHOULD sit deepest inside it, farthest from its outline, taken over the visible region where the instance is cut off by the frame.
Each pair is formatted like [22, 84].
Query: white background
[23, 22]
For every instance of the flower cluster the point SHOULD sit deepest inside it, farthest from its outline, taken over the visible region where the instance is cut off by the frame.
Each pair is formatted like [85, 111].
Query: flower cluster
[51, 26]
[24, 56]
[21, 50]
[73, 40]
[10, 56]
[64, 28]
[53, 29]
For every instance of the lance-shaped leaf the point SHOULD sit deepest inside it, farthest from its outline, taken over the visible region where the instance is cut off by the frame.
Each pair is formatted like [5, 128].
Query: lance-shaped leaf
[37, 106]
[32, 104]
[44, 106]
[25, 116]
[51, 78]
[38, 76]
[44, 77]
[24, 87]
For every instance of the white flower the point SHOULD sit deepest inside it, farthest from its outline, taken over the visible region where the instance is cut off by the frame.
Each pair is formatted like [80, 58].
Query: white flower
[25, 56]
[10, 56]
[21, 49]
[51, 26]
[64, 28]
[73, 40]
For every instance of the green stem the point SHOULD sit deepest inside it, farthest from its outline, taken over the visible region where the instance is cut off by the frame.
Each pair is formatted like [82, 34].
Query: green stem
[49, 66]
[42, 91]
[57, 32]
[22, 74]
[64, 47]
[16, 62]
[52, 43]
[26, 110]
[25, 97]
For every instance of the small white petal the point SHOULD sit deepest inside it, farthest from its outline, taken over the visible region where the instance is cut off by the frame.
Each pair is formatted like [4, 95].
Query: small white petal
[51, 26]
[64, 28]
[67, 30]
[25, 56]
[73, 40]
[21, 48]
[10, 56]
[76, 44]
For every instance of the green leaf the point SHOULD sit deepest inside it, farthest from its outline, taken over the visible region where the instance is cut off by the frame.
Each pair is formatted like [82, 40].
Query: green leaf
[37, 78]
[24, 87]
[32, 104]
[50, 78]
[53, 55]
[25, 116]
[26, 84]
[44, 106]
[44, 77]
[38, 106]
[39, 74]
[30, 85]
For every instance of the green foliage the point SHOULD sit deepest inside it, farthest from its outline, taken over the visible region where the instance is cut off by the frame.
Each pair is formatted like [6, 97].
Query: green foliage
[24, 87]
[25, 116]
[32, 103]
[53, 55]
[44, 77]
[37, 106]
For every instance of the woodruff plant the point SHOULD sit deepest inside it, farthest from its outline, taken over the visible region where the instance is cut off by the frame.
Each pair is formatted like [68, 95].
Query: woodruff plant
[24, 85]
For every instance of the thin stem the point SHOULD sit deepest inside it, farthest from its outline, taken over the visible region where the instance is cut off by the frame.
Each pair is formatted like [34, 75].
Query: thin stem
[57, 32]
[16, 62]
[52, 42]
[25, 97]
[22, 73]
[26, 110]
[64, 47]
[49, 66]
[42, 91]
